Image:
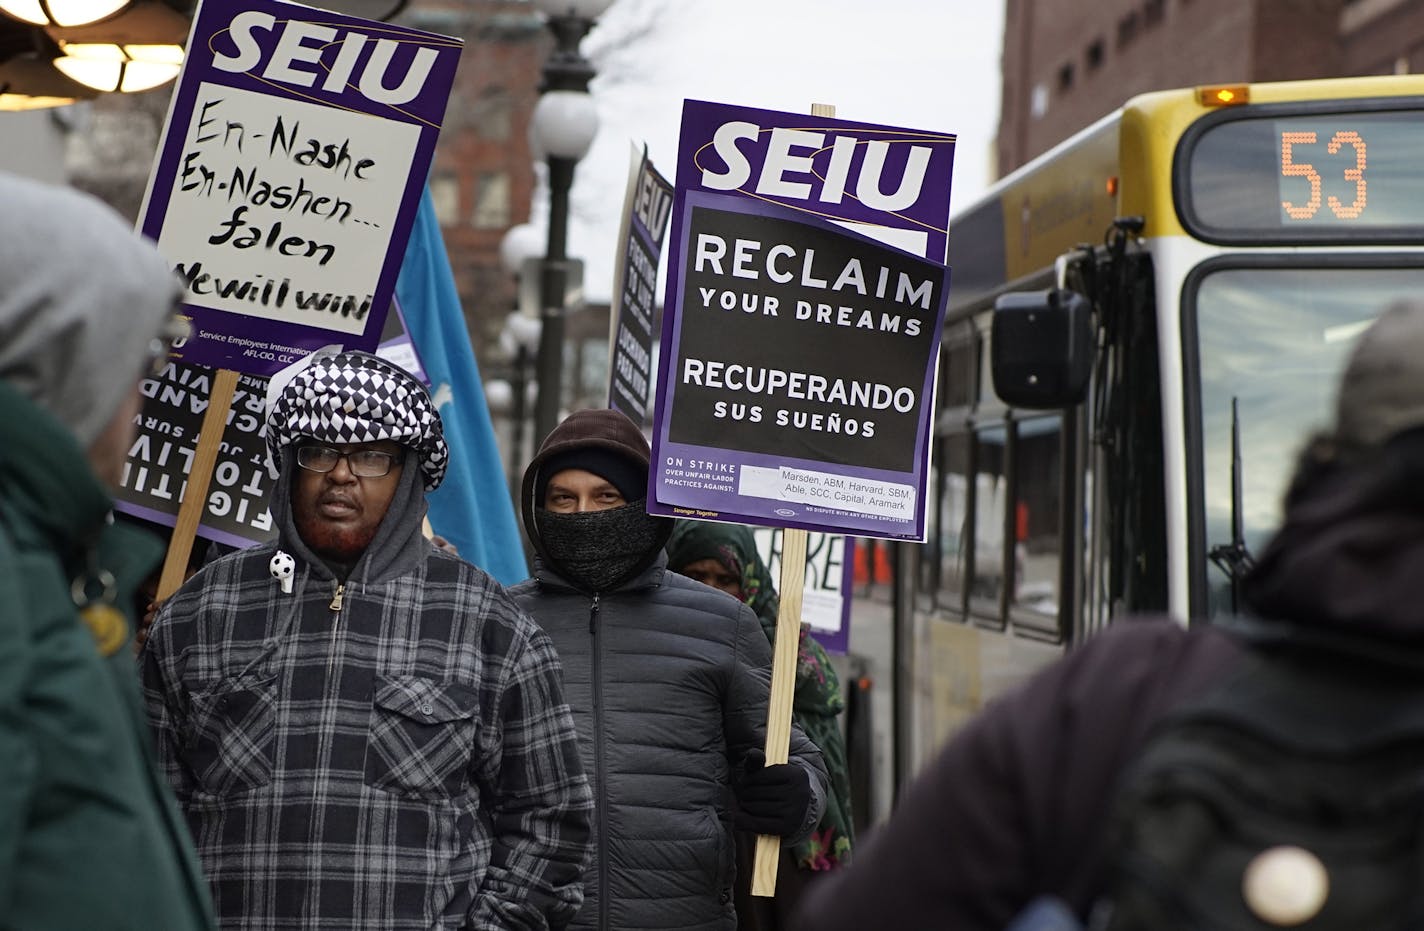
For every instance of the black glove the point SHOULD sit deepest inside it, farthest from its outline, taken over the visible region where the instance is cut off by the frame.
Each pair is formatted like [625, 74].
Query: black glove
[771, 799]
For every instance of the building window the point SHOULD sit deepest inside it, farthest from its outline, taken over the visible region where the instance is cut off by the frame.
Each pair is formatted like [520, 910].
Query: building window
[445, 196]
[1152, 11]
[1038, 101]
[491, 114]
[1127, 29]
[492, 201]
[1065, 77]
[1095, 55]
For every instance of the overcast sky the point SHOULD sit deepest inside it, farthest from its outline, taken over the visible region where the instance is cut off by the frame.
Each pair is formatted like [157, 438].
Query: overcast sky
[919, 64]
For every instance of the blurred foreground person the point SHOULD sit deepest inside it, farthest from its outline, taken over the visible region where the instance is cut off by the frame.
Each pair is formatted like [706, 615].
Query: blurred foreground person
[1257, 773]
[89, 836]
[725, 557]
[669, 683]
[364, 731]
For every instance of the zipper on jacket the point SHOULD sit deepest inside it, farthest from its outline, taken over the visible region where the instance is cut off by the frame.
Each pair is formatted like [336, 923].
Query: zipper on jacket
[335, 609]
[599, 781]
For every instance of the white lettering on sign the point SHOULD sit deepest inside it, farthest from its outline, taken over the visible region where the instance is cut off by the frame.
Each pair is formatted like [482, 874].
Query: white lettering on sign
[652, 203]
[302, 43]
[786, 169]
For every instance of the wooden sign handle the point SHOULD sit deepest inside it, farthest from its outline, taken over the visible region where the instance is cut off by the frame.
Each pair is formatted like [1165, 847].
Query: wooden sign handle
[783, 666]
[783, 689]
[195, 492]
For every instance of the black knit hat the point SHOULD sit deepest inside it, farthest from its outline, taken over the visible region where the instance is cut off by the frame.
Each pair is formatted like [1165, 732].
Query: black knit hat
[624, 473]
[600, 429]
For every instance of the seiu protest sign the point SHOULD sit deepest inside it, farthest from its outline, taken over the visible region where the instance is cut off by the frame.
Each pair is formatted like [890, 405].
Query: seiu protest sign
[802, 319]
[646, 208]
[292, 162]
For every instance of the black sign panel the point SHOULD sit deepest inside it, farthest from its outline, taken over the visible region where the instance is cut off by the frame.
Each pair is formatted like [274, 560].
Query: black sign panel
[802, 342]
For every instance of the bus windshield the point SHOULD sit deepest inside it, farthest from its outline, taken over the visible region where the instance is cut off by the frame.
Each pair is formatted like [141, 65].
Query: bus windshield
[1276, 341]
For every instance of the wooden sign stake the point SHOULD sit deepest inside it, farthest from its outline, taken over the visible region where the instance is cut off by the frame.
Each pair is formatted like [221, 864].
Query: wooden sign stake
[783, 667]
[195, 494]
[783, 689]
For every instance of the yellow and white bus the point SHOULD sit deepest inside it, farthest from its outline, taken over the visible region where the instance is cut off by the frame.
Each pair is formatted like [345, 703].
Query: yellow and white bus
[1177, 289]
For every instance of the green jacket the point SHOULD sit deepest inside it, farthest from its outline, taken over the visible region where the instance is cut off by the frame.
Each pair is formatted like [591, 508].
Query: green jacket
[89, 836]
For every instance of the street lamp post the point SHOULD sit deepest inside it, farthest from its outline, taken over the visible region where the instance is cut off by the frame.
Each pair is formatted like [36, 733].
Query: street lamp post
[519, 253]
[564, 124]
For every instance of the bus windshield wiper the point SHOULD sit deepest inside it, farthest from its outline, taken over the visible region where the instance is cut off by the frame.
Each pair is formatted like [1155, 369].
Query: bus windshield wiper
[1233, 558]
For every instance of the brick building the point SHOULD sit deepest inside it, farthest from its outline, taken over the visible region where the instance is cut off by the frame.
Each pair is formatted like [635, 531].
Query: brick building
[483, 176]
[1068, 62]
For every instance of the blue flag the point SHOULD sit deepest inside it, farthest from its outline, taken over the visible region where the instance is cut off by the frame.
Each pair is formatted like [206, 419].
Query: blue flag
[472, 508]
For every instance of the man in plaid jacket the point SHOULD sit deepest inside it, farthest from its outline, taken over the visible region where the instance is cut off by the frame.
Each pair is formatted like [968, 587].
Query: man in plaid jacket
[365, 732]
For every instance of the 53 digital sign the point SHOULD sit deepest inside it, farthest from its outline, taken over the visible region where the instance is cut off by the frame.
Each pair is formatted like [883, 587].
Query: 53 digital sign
[1306, 177]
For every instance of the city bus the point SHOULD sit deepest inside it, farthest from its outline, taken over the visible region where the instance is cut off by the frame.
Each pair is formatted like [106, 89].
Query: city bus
[1175, 291]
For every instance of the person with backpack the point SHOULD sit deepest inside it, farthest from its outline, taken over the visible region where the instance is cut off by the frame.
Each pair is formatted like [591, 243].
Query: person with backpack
[1262, 772]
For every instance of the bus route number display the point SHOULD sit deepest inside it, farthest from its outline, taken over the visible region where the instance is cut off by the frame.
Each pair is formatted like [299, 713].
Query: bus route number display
[1345, 147]
[1307, 178]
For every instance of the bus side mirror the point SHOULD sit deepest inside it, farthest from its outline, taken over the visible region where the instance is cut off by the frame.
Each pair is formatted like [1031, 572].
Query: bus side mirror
[1042, 348]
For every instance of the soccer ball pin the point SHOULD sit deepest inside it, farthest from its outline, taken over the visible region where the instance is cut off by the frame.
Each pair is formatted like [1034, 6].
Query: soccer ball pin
[283, 567]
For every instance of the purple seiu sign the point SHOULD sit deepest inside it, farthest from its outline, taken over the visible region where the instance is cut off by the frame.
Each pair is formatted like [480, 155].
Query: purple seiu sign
[647, 205]
[804, 304]
[291, 166]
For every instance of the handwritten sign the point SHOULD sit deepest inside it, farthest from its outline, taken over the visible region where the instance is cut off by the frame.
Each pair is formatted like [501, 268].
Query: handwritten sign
[647, 206]
[290, 169]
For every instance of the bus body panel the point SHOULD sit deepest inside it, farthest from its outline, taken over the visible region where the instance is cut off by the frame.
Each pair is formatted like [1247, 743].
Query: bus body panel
[970, 647]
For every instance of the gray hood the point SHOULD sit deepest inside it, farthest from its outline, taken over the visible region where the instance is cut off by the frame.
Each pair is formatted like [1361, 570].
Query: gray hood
[81, 298]
[399, 544]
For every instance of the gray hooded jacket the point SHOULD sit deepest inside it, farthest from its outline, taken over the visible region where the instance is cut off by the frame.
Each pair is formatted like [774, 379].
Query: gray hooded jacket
[77, 294]
[387, 752]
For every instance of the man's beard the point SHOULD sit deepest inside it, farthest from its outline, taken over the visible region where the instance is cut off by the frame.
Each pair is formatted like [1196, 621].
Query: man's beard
[339, 544]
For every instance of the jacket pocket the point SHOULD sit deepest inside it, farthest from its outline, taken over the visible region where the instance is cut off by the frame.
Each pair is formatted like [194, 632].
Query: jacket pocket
[422, 737]
[231, 736]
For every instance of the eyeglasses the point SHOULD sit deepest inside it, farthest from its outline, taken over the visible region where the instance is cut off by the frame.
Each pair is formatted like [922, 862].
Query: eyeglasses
[363, 463]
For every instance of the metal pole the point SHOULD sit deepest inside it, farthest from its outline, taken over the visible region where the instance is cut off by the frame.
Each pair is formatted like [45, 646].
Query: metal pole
[517, 414]
[552, 296]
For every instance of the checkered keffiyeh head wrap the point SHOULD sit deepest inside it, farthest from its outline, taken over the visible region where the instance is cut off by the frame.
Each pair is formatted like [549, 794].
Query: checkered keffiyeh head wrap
[356, 397]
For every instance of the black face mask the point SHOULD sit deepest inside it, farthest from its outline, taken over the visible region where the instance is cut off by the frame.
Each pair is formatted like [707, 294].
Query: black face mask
[599, 550]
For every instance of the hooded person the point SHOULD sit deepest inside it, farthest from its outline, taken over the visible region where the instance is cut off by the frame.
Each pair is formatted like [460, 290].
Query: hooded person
[1017, 812]
[88, 830]
[365, 731]
[669, 683]
[725, 557]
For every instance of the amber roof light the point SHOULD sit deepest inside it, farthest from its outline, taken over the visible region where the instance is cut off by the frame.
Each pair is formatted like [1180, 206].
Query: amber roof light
[1223, 95]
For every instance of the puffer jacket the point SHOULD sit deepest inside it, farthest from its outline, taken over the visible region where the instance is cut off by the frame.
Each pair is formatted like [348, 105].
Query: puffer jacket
[669, 682]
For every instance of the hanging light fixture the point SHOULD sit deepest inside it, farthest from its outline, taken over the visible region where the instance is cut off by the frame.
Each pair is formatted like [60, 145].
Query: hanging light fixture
[122, 68]
[28, 77]
[62, 12]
